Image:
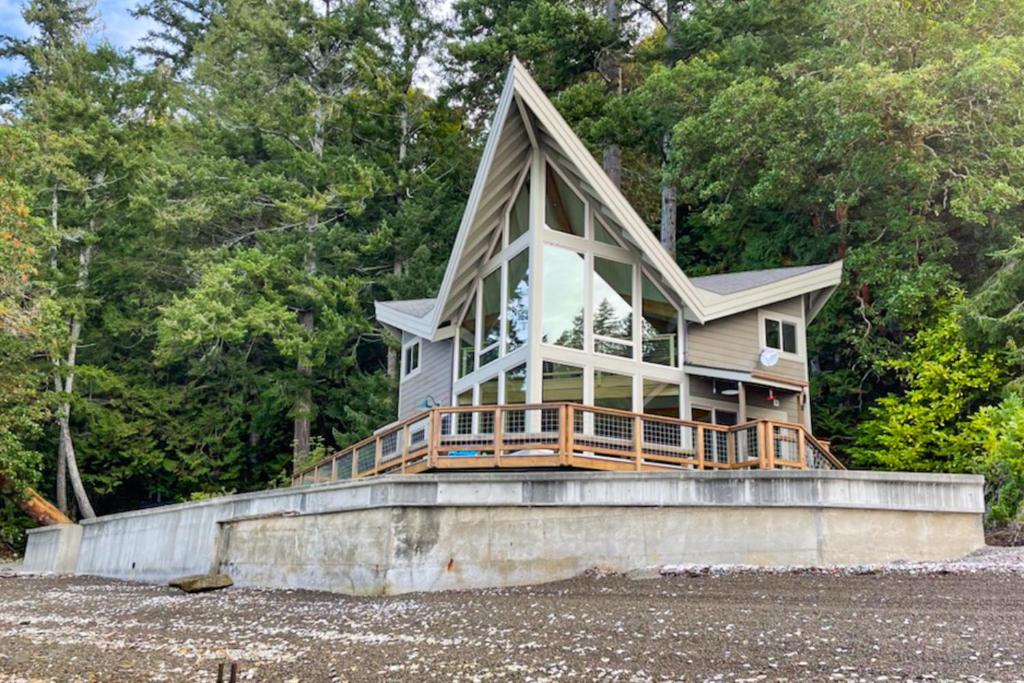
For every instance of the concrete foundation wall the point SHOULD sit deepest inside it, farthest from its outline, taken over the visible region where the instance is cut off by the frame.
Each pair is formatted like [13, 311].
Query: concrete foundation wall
[386, 551]
[492, 527]
[53, 549]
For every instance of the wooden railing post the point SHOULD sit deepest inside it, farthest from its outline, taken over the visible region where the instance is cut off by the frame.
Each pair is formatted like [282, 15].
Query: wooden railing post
[638, 441]
[435, 436]
[801, 448]
[770, 455]
[405, 446]
[334, 467]
[355, 464]
[378, 454]
[730, 446]
[762, 446]
[700, 446]
[568, 422]
[499, 435]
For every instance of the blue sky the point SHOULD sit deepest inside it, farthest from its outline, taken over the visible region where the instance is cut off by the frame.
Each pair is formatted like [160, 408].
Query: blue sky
[115, 25]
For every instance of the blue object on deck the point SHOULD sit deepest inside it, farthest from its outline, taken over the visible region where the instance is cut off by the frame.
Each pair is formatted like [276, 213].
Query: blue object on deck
[463, 454]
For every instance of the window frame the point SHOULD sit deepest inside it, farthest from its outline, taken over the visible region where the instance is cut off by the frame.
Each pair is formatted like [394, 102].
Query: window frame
[764, 315]
[406, 347]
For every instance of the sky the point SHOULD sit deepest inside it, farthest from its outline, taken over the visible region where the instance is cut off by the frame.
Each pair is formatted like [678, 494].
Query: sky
[115, 25]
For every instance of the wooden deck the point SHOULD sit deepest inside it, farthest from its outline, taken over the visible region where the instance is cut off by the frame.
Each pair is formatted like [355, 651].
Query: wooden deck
[568, 435]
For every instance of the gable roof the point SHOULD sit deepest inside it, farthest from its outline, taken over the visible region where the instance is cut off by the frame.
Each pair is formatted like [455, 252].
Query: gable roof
[731, 283]
[525, 119]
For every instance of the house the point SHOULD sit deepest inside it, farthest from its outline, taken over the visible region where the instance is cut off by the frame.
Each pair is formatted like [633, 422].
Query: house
[556, 291]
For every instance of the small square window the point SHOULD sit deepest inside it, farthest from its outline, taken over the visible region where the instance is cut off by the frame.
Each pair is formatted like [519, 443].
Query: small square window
[781, 335]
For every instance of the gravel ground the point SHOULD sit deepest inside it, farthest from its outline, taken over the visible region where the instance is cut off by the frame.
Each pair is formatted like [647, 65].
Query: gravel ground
[958, 622]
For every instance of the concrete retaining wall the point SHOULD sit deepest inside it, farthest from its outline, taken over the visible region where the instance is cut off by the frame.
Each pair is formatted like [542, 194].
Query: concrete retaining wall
[53, 549]
[383, 551]
[356, 536]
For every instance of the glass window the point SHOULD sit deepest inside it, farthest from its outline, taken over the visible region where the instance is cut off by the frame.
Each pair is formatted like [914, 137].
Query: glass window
[515, 385]
[517, 307]
[612, 390]
[780, 335]
[490, 331]
[563, 209]
[467, 340]
[661, 398]
[660, 327]
[789, 337]
[519, 215]
[412, 357]
[601, 233]
[613, 307]
[562, 307]
[725, 417]
[702, 415]
[488, 397]
[464, 421]
[515, 394]
[562, 383]
[772, 334]
[489, 392]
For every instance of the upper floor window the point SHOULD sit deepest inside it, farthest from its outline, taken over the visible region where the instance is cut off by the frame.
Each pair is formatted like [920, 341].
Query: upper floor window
[780, 332]
[564, 211]
[613, 307]
[411, 358]
[519, 212]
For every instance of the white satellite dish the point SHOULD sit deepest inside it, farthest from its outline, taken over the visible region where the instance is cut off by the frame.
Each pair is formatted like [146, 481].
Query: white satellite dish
[769, 357]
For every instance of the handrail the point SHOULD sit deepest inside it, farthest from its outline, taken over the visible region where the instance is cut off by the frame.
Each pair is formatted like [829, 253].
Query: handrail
[577, 441]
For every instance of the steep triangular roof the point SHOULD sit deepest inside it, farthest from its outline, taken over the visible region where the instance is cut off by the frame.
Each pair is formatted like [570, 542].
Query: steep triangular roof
[525, 118]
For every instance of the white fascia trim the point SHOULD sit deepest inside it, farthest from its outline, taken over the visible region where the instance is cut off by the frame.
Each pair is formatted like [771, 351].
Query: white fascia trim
[418, 326]
[479, 182]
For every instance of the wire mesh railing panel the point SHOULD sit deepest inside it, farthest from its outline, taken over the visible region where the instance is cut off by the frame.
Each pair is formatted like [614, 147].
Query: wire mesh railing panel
[816, 458]
[419, 434]
[604, 430]
[467, 432]
[747, 446]
[344, 466]
[391, 446]
[716, 446]
[666, 438]
[525, 430]
[787, 443]
[323, 472]
[366, 457]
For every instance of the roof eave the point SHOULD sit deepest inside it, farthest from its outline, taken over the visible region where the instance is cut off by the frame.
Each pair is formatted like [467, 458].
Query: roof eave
[826, 278]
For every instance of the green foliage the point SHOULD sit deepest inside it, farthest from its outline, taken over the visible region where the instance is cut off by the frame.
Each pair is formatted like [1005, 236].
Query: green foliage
[923, 428]
[996, 436]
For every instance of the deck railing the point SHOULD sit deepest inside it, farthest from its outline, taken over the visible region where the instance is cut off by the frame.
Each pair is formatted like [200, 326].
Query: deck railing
[568, 435]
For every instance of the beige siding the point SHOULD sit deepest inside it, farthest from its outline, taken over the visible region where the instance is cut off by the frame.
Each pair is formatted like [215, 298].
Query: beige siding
[732, 343]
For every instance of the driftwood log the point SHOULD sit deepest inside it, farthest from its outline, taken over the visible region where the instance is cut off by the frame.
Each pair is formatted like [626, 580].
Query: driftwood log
[35, 506]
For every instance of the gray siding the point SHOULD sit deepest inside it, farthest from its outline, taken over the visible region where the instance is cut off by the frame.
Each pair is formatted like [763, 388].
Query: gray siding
[434, 378]
[732, 343]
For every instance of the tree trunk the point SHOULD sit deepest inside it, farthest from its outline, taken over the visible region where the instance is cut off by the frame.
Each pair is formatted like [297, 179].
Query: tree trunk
[37, 507]
[62, 478]
[668, 204]
[612, 157]
[304, 399]
[62, 463]
[307, 318]
[64, 382]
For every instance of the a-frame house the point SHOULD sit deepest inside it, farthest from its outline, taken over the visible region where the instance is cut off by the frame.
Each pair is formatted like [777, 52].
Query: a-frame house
[557, 291]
